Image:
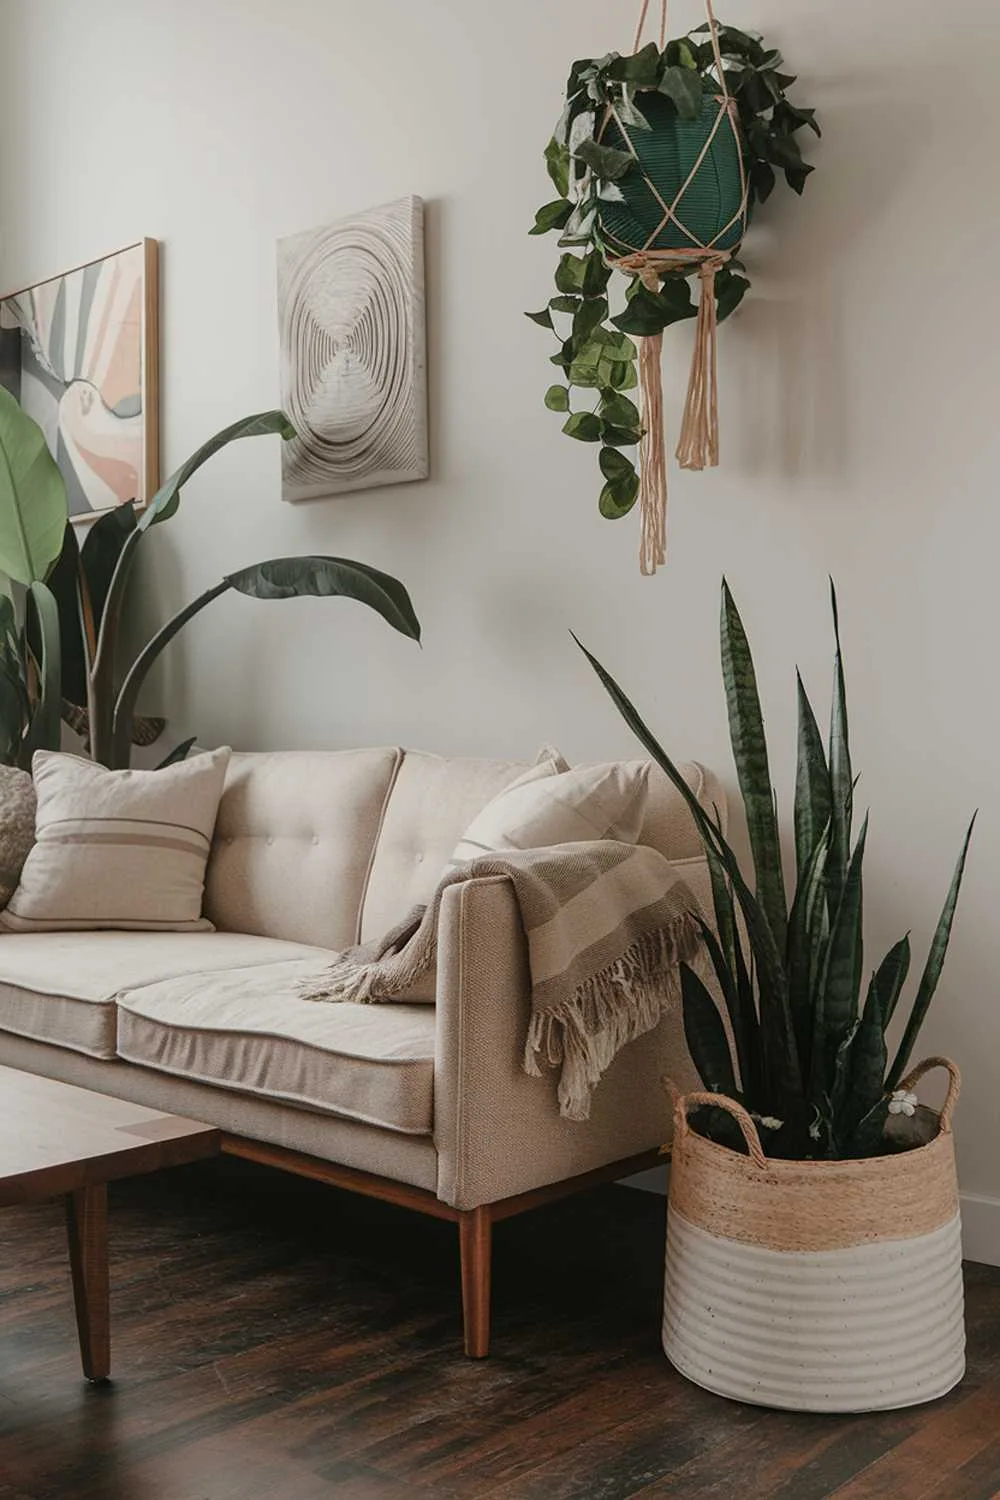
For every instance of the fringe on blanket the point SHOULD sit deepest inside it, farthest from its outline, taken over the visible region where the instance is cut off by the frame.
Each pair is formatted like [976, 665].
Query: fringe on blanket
[583, 1035]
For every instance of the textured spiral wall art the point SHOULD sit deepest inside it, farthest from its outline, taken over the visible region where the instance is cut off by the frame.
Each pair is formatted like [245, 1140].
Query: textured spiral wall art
[353, 370]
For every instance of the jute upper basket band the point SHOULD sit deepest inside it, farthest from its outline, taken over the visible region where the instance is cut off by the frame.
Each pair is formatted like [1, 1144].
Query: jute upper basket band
[821, 1205]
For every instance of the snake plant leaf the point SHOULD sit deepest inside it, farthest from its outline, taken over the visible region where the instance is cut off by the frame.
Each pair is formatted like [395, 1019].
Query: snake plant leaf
[808, 935]
[813, 798]
[33, 505]
[746, 732]
[167, 498]
[178, 753]
[932, 969]
[45, 729]
[836, 1001]
[866, 1068]
[890, 977]
[777, 1033]
[722, 902]
[742, 1017]
[841, 775]
[706, 1036]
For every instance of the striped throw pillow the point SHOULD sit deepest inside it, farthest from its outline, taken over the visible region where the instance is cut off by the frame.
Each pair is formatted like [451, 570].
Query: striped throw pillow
[121, 849]
[535, 812]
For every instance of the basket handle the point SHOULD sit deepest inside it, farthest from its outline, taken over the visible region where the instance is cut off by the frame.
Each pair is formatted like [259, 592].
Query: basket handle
[954, 1085]
[739, 1114]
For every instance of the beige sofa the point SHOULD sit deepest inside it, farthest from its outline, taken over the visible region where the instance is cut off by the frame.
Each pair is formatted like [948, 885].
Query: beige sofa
[424, 1104]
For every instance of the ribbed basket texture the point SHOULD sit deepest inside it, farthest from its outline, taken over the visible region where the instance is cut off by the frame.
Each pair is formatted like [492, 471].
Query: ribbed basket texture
[666, 153]
[815, 1286]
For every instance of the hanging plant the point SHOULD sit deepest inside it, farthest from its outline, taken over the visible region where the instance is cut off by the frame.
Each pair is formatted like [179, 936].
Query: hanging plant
[659, 159]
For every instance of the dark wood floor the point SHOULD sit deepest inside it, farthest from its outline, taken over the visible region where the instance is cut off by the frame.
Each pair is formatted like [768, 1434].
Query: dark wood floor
[274, 1340]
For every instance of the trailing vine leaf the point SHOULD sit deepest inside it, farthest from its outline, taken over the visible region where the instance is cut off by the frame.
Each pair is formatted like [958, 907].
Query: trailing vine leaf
[583, 425]
[557, 159]
[557, 398]
[543, 318]
[683, 87]
[552, 216]
[729, 292]
[606, 161]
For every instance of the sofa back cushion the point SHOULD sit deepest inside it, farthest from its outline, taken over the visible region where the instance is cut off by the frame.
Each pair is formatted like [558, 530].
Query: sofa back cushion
[333, 847]
[294, 842]
[433, 801]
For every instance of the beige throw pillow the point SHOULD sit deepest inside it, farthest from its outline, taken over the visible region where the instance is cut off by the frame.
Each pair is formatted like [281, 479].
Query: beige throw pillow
[534, 812]
[124, 849]
[17, 827]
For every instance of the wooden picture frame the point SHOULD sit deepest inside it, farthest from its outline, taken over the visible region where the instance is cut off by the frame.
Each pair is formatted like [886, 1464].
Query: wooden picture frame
[80, 351]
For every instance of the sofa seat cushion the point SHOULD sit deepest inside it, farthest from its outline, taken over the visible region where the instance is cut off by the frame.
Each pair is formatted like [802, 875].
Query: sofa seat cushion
[60, 987]
[247, 1029]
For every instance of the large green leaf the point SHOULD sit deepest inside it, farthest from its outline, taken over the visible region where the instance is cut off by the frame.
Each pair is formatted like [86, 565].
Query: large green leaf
[45, 729]
[33, 504]
[277, 578]
[167, 498]
[706, 1036]
[932, 969]
[330, 577]
[746, 731]
[808, 934]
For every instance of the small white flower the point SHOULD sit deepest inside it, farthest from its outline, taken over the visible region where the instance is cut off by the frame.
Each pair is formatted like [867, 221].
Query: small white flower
[902, 1102]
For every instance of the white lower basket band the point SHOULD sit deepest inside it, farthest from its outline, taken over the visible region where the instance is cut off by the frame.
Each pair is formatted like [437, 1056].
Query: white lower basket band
[868, 1328]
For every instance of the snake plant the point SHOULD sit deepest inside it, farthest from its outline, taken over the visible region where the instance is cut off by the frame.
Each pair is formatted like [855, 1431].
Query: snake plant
[803, 1044]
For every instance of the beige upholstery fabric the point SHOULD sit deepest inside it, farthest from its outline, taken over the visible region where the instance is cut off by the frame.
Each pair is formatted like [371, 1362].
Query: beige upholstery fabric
[60, 986]
[497, 1131]
[17, 827]
[668, 825]
[294, 842]
[404, 1158]
[432, 802]
[246, 1029]
[538, 811]
[118, 849]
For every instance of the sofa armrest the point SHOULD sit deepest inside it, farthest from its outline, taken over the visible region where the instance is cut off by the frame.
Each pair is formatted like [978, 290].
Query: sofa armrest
[498, 1131]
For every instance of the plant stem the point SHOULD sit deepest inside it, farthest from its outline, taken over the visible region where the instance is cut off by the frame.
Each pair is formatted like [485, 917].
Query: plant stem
[124, 708]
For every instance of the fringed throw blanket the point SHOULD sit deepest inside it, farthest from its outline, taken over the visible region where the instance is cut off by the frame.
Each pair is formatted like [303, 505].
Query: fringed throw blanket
[607, 925]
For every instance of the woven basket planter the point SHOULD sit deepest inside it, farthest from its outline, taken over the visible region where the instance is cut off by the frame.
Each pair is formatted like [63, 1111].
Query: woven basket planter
[830, 1286]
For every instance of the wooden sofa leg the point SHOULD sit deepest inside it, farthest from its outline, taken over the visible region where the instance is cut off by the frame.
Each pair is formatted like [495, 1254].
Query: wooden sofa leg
[475, 1231]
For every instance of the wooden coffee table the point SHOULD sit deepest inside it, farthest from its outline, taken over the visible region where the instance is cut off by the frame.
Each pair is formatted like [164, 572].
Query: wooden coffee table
[61, 1141]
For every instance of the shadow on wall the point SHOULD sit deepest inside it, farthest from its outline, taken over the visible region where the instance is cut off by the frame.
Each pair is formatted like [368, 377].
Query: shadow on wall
[795, 422]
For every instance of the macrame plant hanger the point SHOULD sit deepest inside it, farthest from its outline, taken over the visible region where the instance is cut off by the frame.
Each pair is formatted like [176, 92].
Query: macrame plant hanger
[698, 444]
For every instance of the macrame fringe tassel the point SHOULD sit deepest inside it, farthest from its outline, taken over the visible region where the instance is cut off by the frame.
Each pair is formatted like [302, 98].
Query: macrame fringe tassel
[698, 447]
[652, 459]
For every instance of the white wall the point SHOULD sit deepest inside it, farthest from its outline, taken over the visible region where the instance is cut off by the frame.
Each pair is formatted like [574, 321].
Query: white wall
[859, 393]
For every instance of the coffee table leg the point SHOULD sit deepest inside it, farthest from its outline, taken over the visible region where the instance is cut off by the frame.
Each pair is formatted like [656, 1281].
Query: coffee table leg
[87, 1231]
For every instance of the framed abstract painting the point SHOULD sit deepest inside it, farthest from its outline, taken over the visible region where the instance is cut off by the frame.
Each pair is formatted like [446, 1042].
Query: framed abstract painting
[80, 353]
[353, 361]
